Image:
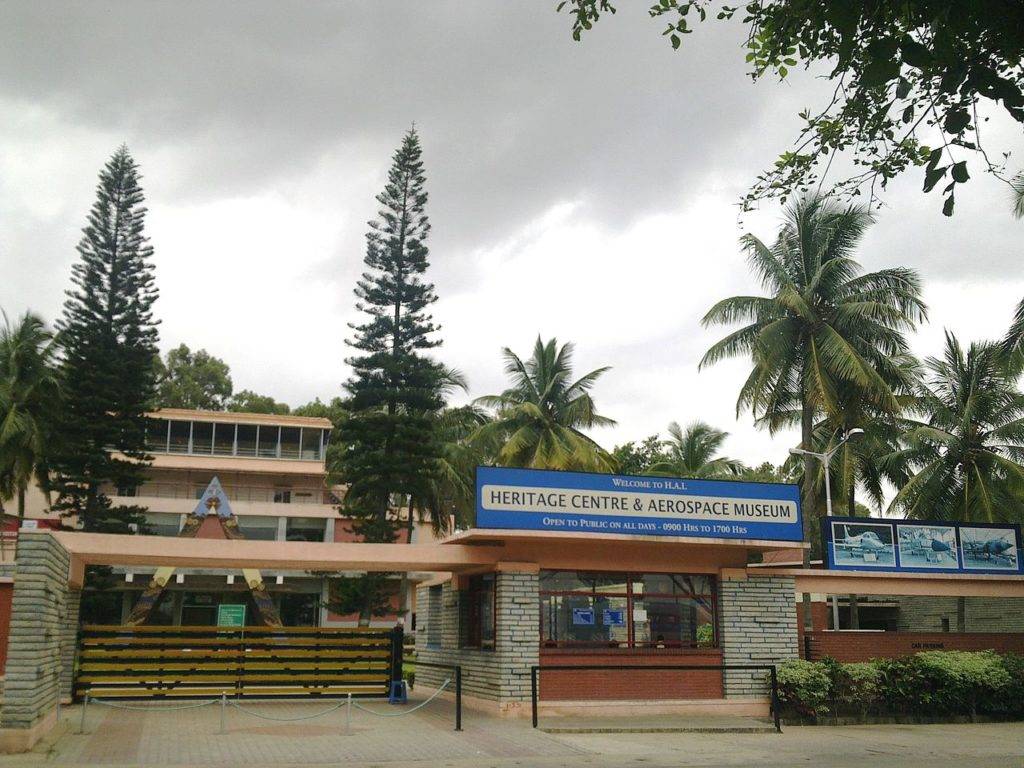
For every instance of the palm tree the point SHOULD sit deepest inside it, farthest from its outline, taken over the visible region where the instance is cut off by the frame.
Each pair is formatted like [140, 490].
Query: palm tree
[28, 398]
[968, 448]
[539, 419]
[824, 326]
[693, 453]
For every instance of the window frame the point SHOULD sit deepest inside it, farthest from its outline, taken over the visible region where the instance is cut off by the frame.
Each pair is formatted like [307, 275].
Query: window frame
[630, 595]
[473, 636]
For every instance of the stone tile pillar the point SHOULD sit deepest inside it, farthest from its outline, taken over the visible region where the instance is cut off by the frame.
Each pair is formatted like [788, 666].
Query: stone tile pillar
[517, 640]
[757, 625]
[500, 675]
[69, 643]
[33, 677]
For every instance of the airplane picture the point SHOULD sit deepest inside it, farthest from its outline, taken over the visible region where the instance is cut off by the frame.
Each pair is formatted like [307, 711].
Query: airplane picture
[989, 548]
[865, 544]
[923, 546]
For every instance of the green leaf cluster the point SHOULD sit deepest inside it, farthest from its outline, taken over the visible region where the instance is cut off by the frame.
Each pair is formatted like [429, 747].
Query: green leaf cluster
[902, 69]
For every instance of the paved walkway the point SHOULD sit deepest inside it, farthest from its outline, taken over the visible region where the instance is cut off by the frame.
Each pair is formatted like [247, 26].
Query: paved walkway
[425, 738]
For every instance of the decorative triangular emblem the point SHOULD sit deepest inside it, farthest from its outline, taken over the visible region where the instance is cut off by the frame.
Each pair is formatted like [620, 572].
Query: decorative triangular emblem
[213, 500]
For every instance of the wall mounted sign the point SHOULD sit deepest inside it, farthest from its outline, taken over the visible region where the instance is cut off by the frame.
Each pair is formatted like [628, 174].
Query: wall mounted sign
[612, 618]
[581, 502]
[583, 617]
[230, 615]
[870, 544]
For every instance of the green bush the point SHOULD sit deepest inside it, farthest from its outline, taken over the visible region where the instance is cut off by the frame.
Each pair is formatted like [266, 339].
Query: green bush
[962, 682]
[804, 687]
[856, 688]
[932, 683]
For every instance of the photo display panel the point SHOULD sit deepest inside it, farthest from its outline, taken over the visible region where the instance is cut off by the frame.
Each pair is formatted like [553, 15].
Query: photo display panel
[932, 546]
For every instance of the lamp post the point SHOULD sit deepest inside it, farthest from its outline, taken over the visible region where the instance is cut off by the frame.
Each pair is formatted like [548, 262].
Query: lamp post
[826, 458]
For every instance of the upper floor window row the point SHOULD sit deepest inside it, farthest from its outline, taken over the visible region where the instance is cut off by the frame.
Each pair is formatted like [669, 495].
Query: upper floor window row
[207, 438]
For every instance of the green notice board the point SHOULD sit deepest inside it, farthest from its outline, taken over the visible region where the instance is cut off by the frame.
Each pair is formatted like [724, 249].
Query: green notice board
[230, 615]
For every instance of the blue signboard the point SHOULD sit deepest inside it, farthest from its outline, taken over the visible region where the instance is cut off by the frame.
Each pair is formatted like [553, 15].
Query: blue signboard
[612, 618]
[916, 546]
[583, 617]
[580, 502]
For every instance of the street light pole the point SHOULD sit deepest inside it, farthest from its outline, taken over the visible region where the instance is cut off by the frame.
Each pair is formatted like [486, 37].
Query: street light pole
[826, 459]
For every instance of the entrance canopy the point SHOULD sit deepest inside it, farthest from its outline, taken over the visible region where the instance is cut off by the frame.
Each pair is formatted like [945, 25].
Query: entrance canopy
[479, 551]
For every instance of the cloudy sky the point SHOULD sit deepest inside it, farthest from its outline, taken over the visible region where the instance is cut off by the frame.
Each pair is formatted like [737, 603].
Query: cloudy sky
[580, 190]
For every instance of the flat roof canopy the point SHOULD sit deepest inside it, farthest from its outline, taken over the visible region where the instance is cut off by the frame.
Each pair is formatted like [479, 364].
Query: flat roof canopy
[479, 551]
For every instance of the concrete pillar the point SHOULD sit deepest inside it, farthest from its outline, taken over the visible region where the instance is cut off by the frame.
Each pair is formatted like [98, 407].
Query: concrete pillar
[33, 676]
[69, 643]
[757, 625]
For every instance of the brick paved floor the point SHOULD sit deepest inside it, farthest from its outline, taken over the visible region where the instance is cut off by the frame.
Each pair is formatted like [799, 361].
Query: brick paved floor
[426, 739]
[192, 736]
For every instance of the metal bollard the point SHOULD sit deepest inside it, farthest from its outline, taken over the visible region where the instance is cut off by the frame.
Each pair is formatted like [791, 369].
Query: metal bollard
[223, 710]
[85, 704]
[348, 715]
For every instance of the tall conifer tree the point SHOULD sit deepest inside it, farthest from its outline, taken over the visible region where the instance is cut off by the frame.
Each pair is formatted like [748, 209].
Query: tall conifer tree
[109, 339]
[392, 450]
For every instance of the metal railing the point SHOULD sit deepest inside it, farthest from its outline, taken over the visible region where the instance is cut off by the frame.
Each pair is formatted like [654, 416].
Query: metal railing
[457, 671]
[769, 668]
[242, 493]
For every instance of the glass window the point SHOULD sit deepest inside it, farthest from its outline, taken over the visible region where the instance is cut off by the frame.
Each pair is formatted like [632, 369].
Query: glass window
[179, 436]
[311, 444]
[300, 610]
[258, 527]
[478, 601]
[156, 435]
[670, 584]
[583, 581]
[305, 529]
[282, 496]
[289, 442]
[202, 437]
[627, 610]
[162, 524]
[224, 439]
[246, 440]
[268, 441]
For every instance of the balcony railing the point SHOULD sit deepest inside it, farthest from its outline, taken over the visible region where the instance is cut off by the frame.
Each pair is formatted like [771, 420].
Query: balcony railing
[264, 494]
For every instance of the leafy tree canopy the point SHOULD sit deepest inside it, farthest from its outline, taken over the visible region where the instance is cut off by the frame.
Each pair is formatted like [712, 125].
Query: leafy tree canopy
[248, 401]
[195, 380]
[901, 69]
[634, 458]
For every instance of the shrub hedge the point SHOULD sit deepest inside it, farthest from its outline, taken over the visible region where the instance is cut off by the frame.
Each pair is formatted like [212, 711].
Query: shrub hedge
[927, 684]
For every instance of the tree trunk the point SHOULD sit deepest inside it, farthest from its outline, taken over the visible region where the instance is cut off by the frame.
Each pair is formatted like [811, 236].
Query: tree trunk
[21, 503]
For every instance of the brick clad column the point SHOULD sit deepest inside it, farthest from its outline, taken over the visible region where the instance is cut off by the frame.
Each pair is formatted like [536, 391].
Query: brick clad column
[69, 642]
[757, 625]
[32, 683]
[517, 641]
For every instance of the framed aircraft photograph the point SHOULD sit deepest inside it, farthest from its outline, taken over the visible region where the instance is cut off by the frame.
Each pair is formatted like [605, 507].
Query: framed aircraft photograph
[861, 545]
[927, 546]
[990, 548]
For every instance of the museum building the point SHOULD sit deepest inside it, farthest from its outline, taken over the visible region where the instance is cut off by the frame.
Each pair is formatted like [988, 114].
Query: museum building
[584, 590]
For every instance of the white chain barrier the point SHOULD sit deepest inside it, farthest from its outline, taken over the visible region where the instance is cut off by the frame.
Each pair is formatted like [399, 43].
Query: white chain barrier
[224, 701]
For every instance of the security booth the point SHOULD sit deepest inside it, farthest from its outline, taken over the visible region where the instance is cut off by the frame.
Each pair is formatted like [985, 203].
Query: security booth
[617, 591]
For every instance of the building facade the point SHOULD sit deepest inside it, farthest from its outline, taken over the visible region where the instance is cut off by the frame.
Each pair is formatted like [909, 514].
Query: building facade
[273, 471]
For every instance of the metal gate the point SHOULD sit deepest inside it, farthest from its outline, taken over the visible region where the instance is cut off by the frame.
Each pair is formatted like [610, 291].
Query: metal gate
[149, 662]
